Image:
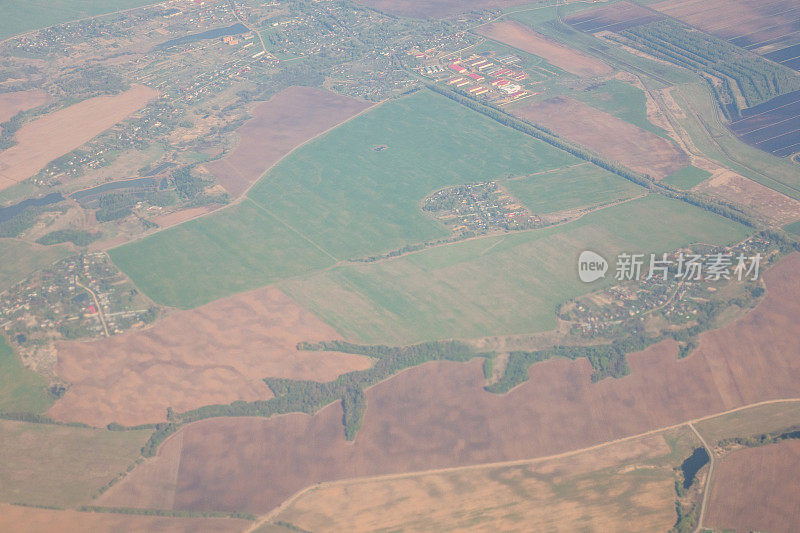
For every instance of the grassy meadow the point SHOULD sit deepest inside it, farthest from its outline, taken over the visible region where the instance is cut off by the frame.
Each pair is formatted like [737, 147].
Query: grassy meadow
[21, 390]
[500, 285]
[18, 259]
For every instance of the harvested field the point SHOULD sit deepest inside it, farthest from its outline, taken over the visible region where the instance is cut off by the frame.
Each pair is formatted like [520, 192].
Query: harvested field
[770, 205]
[46, 464]
[438, 415]
[178, 217]
[217, 353]
[608, 489]
[435, 8]
[13, 103]
[53, 135]
[770, 27]
[287, 120]
[520, 36]
[615, 17]
[32, 520]
[608, 135]
[755, 489]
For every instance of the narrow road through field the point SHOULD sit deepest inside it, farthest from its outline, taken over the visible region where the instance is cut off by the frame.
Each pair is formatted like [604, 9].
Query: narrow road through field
[707, 488]
[688, 423]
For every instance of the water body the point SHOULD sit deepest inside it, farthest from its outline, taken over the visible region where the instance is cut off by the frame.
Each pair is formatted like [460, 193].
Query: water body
[136, 183]
[7, 213]
[216, 33]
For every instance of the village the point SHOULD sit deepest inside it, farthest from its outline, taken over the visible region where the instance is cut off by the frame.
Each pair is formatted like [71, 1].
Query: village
[79, 297]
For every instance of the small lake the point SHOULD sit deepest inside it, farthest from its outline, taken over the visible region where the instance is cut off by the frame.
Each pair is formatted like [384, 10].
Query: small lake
[7, 213]
[210, 34]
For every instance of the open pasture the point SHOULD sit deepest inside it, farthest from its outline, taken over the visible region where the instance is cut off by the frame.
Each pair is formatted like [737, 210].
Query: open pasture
[234, 250]
[335, 198]
[13, 103]
[218, 353]
[21, 258]
[606, 134]
[21, 389]
[580, 186]
[441, 417]
[622, 487]
[755, 489]
[45, 464]
[288, 119]
[55, 134]
[770, 28]
[21, 17]
[615, 17]
[749, 422]
[520, 36]
[773, 126]
[501, 285]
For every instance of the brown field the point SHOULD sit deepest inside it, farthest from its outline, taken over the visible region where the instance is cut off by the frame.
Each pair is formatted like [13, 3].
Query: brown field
[520, 36]
[217, 353]
[772, 206]
[435, 8]
[33, 520]
[45, 464]
[438, 415]
[13, 103]
[607, 135]
[53, 135]
[279, 125]
[607, 489]
[179, 217]
[756, 489]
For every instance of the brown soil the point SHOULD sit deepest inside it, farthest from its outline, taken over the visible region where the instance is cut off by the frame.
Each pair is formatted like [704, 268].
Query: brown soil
[58, 133]
[436, 8]
[771, 205]
[33, 520]
[755, 489]
[437, 415]
[287, 120]
[217, 353]
[520, 36]
[13, 103]
[607, 135]
[565, 494]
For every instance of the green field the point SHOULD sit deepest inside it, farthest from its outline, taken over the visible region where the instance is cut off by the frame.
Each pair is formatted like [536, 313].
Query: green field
[750, 422]
[498, 285]
[20, 16]
[239, 248]
[355, 201]
[21, 390]
[336, 198]
[18, 259]
[573, 187]
[687, 177]
[45, 464]
[794, 227]
[622, 100]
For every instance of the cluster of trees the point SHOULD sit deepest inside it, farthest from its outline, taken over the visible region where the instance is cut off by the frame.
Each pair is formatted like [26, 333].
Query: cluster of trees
[165, 512]
[9, 128]
[757, 79]
[763, 439]
[76, 237]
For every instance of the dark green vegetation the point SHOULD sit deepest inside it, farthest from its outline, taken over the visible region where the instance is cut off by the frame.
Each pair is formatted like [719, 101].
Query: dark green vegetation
[687, 177]
[755, 78]
[76, 237]
[25, 15]
[761, 440]
[793, 228]
[21, 390]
